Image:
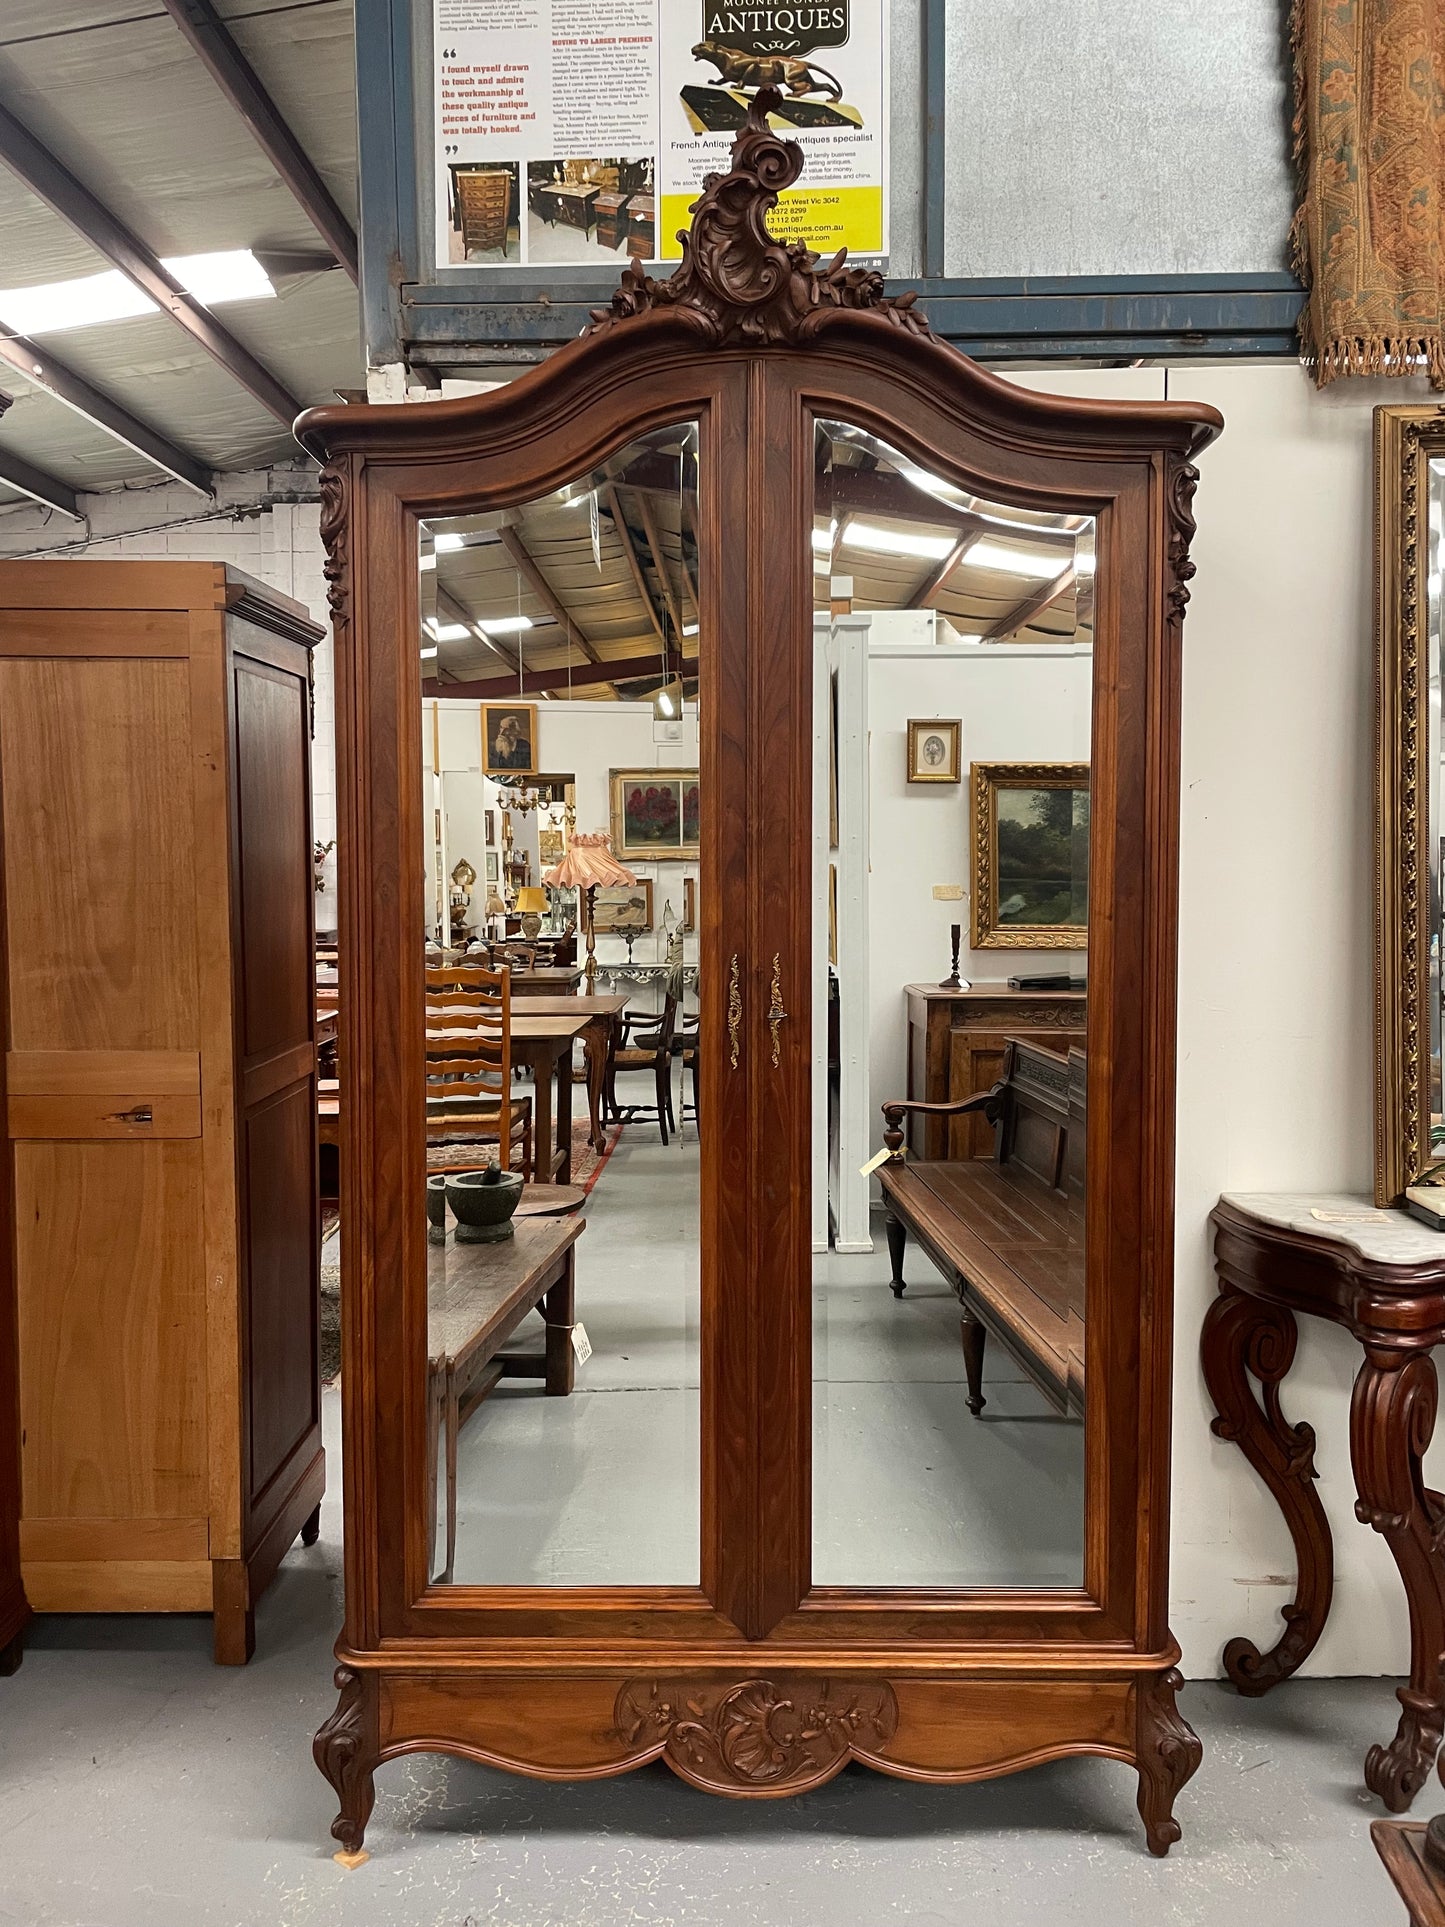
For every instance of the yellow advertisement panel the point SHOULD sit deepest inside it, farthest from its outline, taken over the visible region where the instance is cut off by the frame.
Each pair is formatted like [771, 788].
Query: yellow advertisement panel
[826, 218]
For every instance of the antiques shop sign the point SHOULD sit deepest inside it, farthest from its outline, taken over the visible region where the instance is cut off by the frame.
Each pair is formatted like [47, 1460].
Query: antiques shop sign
[575, 133]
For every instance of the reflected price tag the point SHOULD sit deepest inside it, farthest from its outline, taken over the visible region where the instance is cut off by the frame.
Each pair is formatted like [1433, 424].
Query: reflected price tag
[581, 1344]
[867, 1170]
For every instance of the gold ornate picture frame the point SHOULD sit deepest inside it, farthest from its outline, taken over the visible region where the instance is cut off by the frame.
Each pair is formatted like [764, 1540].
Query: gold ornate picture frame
[1407, 883]
[1015, 902]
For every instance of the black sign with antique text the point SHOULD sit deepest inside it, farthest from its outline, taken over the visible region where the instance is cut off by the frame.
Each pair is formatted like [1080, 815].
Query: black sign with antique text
[769, 30]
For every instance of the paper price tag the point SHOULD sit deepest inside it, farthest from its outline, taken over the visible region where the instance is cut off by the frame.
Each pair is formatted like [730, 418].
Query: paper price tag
[581, 1344]
[867, 1170]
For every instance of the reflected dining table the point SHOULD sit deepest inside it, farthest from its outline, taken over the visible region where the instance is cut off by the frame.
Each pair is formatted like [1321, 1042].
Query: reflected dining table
[543, 1042]
[602, 1013]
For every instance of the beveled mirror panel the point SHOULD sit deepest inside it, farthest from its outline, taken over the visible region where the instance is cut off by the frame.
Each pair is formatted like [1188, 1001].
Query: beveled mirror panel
[1410, 855]
[953, 640]
[560, 646]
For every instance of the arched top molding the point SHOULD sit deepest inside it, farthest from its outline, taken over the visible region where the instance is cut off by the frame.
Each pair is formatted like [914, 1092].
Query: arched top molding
[740, 294]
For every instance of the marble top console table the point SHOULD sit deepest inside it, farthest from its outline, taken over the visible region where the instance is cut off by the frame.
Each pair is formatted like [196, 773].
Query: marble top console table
[1381, 1275]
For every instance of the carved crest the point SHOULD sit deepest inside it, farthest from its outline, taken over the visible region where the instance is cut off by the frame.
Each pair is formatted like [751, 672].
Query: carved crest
[758, 1734]
[736, 283]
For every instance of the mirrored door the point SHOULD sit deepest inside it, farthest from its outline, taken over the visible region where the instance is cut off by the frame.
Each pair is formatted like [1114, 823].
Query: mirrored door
[564, 796]
[952, 700]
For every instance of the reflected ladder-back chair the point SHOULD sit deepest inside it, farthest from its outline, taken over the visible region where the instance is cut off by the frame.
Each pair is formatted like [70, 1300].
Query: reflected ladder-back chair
[471, 1107]
[643, 1043]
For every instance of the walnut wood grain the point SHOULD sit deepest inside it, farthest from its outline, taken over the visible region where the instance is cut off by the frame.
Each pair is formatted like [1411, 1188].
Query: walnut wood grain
[754, 341]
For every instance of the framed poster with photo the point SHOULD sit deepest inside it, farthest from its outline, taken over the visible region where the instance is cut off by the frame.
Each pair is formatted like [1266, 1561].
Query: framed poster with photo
[654, 815]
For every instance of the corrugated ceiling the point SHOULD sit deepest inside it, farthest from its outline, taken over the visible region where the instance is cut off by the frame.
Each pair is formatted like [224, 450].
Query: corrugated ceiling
[116, 93]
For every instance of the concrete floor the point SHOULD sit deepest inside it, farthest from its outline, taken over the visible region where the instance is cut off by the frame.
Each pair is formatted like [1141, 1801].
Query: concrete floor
[602, 1488]
[140, 1786]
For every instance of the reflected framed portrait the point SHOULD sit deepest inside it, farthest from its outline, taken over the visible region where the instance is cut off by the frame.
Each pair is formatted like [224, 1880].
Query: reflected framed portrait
[689, 904]
[935, 751]
[509, 739]
[1030, 867]
[654, 814]
[494, 871]
[623, 909]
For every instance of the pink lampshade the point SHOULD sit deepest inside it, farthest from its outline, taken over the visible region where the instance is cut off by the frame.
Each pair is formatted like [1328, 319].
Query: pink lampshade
[588, 861]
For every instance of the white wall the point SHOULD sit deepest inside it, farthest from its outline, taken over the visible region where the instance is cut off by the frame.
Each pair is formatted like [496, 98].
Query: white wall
[1019, 704]
[588, 740]
[1275, 997]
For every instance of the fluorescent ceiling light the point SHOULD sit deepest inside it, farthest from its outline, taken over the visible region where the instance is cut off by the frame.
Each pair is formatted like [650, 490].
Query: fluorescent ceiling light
[869, 535]
[689, 628]
[89, 299]
[446, 631]
[992, 555]
[504, 625]
[441, 542]
[823, 539]
[427, 562]
[428, 652]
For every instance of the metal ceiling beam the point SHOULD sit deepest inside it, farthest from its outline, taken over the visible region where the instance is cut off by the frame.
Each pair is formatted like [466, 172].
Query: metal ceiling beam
[1024, 612]
[74, 202]
[41, 368]
[17, 473]
[634, 566]
[527, 567]
[537, 682]
[922, 597]
[240, 83]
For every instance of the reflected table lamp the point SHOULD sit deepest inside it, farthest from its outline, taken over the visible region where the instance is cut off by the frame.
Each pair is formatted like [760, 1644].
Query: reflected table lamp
[588, 865]
[532, 907]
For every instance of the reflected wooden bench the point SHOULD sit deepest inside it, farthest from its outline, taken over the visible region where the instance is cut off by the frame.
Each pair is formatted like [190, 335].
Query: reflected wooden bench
[1008, 1232]
[477, 1296]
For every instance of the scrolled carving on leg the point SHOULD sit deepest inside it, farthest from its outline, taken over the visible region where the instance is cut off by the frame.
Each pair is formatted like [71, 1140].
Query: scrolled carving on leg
[1169, 1753]
[1244, 1338]
[1392, 1417]
[344, 1749]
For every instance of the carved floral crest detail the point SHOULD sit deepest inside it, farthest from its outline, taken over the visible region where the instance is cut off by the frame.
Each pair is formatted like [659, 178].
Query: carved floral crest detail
[736, 284]
[758, 1732]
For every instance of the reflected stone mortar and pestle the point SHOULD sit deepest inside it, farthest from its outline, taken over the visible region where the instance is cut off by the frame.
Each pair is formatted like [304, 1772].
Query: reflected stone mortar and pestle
[482, 1202]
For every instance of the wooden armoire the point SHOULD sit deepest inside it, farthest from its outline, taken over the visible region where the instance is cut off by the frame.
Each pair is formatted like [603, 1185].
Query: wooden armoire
[158, 1206]
[758, 1680]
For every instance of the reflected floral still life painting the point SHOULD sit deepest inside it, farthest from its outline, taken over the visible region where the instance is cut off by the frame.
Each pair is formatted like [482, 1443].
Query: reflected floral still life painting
[655, 814]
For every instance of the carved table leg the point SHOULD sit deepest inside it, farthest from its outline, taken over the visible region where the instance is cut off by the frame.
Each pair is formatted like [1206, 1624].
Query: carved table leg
[1244, 1337]
[345, 1751]
[1168, 1756]
[1392, 1414]
[897, 1245]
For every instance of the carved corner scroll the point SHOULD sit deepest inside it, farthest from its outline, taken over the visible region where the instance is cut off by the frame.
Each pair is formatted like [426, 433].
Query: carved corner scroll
[758, 1736]
[736, 284]
[335, 536]
[1183, 480]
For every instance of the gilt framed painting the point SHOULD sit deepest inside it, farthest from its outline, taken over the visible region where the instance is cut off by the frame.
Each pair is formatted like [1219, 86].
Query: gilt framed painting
[1030, 856]
[654, 815]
